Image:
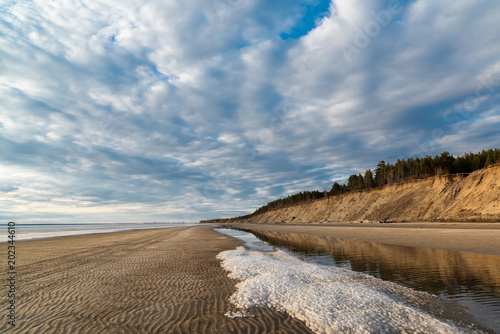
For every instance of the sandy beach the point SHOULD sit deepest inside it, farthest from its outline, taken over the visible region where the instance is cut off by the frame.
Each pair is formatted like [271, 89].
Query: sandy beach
[169, 280]
[481, 238]
[144, 281]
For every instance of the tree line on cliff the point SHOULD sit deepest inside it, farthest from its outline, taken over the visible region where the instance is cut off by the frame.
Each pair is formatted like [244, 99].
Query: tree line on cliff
[390, 173]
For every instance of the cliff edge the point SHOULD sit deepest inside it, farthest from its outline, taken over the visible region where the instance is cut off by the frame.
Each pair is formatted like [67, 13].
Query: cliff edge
[461, 198]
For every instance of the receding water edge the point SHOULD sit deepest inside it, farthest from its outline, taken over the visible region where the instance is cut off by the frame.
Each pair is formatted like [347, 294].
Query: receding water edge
[472, 280]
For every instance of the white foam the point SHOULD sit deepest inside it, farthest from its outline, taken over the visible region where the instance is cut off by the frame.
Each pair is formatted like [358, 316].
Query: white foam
[328, 299]
[239, 314]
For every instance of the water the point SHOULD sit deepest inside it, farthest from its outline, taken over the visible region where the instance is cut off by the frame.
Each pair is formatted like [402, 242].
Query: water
[472, 280]
[251, 241]
[40, 231]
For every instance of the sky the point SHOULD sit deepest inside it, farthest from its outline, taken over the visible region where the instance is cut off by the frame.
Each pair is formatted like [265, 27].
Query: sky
[168, 111]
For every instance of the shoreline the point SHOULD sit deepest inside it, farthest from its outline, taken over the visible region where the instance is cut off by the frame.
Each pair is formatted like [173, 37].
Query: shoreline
[366, 223]
[137, 281]
[63, 233]
[483, 238]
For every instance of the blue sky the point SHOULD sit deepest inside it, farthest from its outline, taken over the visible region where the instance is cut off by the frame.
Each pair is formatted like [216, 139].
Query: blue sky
[133, 111]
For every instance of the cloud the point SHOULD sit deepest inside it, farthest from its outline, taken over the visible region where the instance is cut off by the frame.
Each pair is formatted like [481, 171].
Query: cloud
[161, 110]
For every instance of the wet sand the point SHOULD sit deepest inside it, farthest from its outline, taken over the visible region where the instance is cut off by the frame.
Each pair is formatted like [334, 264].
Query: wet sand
[481, 238]
[144, 281]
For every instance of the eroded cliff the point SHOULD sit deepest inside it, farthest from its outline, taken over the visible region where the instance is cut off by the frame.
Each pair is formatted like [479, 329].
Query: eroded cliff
[460, 198]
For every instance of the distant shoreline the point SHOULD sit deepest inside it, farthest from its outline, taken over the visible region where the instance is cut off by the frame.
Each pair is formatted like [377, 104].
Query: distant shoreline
[25, 232]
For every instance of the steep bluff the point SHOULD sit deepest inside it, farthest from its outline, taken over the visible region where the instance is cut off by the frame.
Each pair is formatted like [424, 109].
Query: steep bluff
[462, 198]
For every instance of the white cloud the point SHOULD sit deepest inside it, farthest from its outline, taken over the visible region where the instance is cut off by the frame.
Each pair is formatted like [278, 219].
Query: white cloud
[199, 106]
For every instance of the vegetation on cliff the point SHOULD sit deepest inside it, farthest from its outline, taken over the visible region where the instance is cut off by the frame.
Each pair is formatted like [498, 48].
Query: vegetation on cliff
[391, 173]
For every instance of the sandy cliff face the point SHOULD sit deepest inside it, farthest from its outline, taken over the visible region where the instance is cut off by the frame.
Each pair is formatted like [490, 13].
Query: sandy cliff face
[474, 197]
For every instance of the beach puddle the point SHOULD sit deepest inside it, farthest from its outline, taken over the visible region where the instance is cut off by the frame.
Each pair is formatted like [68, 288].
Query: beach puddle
[471, 280]
[251, 241]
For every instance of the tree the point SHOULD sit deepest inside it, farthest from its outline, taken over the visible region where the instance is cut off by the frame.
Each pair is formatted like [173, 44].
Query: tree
[352, 182]
[461, 165]
[370, 183]
[489, 161]
[427, 166]
[491, 158]
[443, 163]
[380, 174]
[337, 189]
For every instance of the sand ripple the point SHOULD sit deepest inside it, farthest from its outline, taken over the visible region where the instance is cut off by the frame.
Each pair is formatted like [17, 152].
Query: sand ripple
[147, 281]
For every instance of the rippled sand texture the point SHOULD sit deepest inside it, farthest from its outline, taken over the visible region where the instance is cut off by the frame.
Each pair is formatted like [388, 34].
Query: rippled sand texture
[148, 281]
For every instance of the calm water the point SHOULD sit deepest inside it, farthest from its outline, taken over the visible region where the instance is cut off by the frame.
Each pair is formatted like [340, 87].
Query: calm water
[472, 280]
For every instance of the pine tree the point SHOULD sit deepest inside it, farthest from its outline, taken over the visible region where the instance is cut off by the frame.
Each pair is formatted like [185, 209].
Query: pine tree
[370, 183]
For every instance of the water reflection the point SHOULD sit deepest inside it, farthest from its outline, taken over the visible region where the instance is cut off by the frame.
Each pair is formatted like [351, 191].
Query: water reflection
[250, 240]
[472, 280]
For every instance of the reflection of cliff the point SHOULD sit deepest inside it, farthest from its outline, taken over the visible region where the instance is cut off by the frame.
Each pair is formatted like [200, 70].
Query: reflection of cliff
[433, 270]
[475, 197]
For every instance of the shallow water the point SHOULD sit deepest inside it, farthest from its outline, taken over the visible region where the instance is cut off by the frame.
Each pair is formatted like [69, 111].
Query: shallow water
[472, 280]
[42, 231]
[251, 241]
